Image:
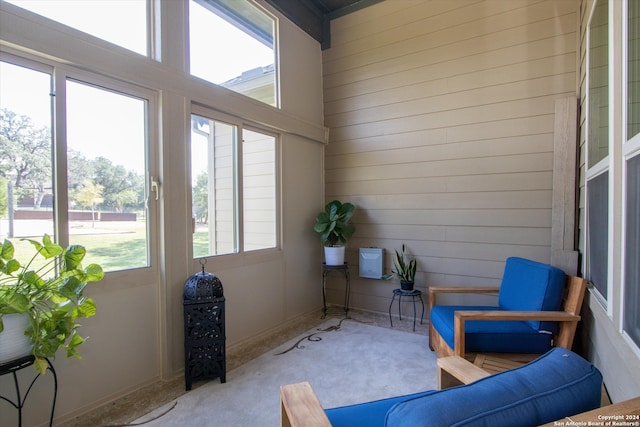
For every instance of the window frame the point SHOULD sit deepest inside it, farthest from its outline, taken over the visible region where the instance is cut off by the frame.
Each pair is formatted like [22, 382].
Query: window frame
[60, 74]
[634, 154]
[238, 23]
[239, 226]
[276, 183]
[151, 42]
[630, 150]
[151, 186]
[601, 166]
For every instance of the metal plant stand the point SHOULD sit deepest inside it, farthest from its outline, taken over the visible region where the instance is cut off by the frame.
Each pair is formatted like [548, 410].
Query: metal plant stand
[12, 367]
[344, 268]
[413, 294]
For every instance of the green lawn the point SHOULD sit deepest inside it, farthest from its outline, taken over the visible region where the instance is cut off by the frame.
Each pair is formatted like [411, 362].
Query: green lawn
[113, 251]
[200, 244]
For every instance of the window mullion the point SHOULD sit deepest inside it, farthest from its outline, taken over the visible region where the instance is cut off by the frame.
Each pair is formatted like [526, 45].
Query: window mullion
[59, 125]
[239, 193]
[211, 171]
[616, 141]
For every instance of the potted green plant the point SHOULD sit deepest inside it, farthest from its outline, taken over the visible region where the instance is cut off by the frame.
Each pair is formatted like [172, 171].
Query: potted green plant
[335, 229]
[45, 291]
[404, 269]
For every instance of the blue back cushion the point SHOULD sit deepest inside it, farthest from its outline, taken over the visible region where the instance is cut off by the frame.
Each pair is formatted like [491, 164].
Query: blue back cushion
[369, 414]
[531, 285]
[558, 384]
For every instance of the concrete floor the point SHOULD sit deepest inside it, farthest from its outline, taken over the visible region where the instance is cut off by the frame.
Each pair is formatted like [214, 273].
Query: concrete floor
[122, 412]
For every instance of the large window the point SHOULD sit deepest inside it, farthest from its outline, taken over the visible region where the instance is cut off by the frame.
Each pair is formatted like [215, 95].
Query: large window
[631, 149]
[233, 187]
[106, 178]
[598, 96]
[213, 176]
[232, 44]
[93, 191]
[598, 223]
[120, 22]
[259, 189]
[632, 251]
[633, 69]
[26, 171]
[598, 149]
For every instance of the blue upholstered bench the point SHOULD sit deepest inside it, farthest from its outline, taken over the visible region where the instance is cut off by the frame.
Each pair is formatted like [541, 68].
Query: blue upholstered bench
[558, 384]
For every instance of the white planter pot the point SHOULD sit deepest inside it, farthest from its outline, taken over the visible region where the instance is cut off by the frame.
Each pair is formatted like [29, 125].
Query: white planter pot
[334, 255]
[13, 342]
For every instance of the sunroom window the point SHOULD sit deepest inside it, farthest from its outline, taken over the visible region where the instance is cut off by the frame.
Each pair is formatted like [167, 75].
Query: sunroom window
[631, 150]
[89, 185]
[123, 23]
[633, 70]
[26, 144]
[213, 178]
[106, 175]
[234, 183]
[632, 249]
[232, 43]
[598, 149]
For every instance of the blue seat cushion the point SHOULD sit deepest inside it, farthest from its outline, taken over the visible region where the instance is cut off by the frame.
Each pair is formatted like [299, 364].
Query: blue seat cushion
[500, 336]
[531, 285]
[369, 414]
[558, 384]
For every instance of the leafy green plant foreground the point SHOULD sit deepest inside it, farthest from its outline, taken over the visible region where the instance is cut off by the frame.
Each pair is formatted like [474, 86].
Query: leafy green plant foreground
[50, 292]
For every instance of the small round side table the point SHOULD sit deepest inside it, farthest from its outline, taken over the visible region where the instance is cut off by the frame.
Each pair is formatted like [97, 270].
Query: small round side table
[413, 294]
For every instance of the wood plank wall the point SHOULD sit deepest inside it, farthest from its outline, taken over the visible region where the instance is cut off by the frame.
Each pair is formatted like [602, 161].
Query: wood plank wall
[441, 117]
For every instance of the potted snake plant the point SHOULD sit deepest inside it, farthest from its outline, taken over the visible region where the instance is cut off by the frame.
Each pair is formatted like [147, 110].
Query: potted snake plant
[404, 269]
[41, 299]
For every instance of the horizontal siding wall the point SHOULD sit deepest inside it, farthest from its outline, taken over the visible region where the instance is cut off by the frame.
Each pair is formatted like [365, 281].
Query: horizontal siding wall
[441, 118]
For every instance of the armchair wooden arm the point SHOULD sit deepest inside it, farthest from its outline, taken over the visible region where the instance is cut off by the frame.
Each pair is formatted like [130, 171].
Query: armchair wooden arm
[461, 316]
[300, 407]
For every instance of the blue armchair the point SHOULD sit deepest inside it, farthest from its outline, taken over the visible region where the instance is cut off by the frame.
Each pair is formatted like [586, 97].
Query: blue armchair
[538, 308]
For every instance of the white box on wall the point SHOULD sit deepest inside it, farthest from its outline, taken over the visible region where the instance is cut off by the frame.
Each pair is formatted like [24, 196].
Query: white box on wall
[371, 262]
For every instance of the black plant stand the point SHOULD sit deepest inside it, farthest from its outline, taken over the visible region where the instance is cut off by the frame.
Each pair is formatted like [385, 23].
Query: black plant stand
[413, 294]
[12, 367]
[344, 268]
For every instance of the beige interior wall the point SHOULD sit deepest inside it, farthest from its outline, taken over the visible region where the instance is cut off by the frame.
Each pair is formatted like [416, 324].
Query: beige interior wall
[137, 335]
[441, 117]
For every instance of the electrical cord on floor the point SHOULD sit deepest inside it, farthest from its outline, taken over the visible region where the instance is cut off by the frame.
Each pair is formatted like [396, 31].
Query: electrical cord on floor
[165, 412]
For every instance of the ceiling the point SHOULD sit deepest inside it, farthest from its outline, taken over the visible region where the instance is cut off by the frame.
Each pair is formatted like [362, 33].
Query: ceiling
[314, 16]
